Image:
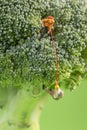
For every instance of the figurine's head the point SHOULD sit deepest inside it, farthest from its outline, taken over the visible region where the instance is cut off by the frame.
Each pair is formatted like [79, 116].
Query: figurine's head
[50, 17]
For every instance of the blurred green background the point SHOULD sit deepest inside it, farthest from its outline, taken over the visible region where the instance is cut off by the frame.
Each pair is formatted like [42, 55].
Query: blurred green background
[69, 113]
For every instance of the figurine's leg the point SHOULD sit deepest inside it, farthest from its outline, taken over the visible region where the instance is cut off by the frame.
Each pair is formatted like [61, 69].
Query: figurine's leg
[51, 37]
[43, 31]
[49, 91]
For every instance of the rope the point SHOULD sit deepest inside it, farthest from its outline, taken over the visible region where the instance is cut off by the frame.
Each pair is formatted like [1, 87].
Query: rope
[56, 57]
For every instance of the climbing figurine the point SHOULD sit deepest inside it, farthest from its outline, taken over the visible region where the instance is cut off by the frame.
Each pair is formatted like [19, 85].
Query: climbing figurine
[55, 92]
[47, 24]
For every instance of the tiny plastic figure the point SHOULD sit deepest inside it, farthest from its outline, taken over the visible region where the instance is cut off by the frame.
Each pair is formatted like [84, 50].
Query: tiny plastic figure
[47, 24]
[56, 92]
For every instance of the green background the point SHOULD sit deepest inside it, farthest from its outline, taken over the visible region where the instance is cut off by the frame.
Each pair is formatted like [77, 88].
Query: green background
[69, 113]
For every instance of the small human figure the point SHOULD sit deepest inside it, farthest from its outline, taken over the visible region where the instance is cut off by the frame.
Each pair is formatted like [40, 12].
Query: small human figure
[55, 92]
[47, 24]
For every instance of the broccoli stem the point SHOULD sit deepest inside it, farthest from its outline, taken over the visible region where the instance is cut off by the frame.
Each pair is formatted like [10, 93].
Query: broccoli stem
[19, 110]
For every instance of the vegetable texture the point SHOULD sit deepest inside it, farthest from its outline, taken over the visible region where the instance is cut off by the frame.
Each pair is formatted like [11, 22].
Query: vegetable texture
[27, 63]
[25, 59]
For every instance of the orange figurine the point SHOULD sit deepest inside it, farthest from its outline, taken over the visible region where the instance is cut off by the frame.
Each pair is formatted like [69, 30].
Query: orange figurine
[47, 24]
